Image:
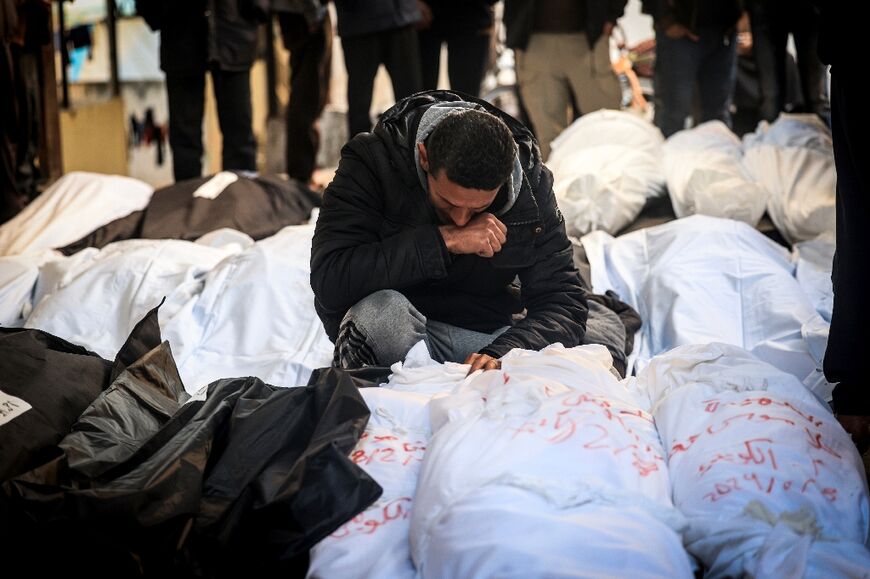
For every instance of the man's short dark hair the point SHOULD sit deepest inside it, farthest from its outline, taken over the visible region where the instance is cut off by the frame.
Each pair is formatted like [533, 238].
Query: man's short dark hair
[475, 149]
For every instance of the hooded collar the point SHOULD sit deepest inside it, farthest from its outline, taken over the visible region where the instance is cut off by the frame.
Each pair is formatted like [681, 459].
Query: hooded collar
[433, 116]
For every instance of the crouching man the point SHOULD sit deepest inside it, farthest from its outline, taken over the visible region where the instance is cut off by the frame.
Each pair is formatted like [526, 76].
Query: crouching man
[441, 225]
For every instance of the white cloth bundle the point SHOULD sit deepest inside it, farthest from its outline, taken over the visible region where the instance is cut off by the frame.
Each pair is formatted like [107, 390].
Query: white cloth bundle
[72, 207]
[770, 483]
[375, 542]
[253, 317]
[95, 297]
[546, 467]
[701, 279]
[705, 175]
[793, 159]
[605, 166]
[226, 314]
[391, 450]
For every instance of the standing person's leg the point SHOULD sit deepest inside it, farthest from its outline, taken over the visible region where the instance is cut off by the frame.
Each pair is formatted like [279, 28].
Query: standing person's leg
[186, 94]
[590, 73]
[232, 91]
[430, 57]
[467, 57]
[11, 201]
[27, 171]
[676, 69]
[402, 60]
[544, 88]
[778, 24]
[846, 351]
[812, 72]
[717, 75]
[310, 59]
[763, 54]
[362, 56]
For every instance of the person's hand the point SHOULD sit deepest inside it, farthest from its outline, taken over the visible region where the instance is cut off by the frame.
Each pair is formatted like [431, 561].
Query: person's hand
[859, 428]
[677, 30]
[425, 15]
[607, 30]
[482, 362]
[744, 43]
[484, 235]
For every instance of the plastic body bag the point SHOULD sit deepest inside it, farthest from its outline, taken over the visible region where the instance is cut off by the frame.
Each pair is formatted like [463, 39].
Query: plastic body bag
[242, 480]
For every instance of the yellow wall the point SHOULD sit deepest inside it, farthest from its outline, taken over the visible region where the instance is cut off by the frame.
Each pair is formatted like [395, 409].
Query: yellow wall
[94, 138]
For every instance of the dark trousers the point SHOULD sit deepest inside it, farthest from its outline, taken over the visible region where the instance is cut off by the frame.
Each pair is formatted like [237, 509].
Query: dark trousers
[232, 91]
[310, 60]
[467, 57]
[398, 51]
[765, 61]
[847, 341]
[28, 90]
[772, 22]
[681, 65]
[11, 199]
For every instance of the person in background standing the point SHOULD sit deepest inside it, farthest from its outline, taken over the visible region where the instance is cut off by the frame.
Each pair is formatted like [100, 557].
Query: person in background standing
[218, 37]
[466, 27]
[25, 27]
[696, 44]
[563, 56]
[372, 33]
[769, 93]
[844, 357]
[307, 32]
[772, 22]
[11, 200]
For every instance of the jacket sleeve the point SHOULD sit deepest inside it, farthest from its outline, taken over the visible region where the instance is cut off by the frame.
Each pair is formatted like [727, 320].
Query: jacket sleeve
[551, 288]
[349, 259]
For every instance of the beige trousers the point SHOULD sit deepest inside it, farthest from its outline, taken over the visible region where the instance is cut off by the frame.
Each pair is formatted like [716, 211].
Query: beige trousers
[554, 66]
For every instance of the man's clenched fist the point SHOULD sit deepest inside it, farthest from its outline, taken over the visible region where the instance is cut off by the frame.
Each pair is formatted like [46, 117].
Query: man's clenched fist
[484, 235]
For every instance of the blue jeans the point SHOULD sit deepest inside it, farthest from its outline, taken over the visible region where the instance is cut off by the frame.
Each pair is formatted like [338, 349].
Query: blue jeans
[381, 328]
[681, 64]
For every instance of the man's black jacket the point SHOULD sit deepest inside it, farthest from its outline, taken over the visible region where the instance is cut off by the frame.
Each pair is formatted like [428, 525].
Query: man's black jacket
[377, 230]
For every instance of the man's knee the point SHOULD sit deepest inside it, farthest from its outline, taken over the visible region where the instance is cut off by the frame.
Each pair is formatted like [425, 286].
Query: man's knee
[379, 310]
[379, 330]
